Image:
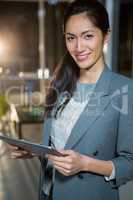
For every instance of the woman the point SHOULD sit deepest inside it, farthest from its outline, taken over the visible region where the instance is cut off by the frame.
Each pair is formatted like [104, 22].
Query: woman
[88, 115]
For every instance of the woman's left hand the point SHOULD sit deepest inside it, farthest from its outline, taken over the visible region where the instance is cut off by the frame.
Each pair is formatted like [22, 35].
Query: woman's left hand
[71, 163]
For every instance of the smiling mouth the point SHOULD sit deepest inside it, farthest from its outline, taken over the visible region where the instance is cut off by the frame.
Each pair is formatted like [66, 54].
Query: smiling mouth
[82, 57]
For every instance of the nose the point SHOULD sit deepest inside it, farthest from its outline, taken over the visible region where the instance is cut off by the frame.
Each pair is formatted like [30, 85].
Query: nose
[79, 45]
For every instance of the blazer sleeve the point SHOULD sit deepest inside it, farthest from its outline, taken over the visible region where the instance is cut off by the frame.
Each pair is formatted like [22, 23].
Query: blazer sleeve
[123, 161]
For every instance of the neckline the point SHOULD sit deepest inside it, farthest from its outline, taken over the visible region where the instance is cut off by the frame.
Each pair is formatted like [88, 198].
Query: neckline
[85, 84]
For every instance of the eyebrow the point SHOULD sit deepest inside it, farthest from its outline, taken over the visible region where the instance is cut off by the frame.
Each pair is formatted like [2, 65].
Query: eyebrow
[84, 32]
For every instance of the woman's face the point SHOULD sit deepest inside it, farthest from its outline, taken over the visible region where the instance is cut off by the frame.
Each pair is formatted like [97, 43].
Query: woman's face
[84, 41]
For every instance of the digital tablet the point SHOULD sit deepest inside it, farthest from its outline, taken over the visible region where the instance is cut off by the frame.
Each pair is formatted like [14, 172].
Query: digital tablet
[38, 149]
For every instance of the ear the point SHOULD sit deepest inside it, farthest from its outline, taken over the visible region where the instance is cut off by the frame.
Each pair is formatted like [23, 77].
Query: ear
[107, 37]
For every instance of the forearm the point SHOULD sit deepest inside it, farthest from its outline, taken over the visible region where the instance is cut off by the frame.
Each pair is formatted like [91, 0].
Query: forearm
[101, 167]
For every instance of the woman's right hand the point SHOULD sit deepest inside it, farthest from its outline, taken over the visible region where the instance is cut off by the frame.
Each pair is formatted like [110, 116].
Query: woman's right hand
[16, 152]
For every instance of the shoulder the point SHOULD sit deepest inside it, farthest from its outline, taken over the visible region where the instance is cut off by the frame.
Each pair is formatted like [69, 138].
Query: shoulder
[121, 87]
[119, 81]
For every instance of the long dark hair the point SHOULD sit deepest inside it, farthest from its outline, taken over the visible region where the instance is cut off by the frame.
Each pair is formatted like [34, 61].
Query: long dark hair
[67, 72]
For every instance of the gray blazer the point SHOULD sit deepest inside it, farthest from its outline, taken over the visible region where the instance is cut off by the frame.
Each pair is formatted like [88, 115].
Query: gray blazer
[103, 131]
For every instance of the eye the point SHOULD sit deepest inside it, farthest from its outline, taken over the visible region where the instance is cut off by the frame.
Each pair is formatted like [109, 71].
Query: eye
[69, 38]
[88, 36]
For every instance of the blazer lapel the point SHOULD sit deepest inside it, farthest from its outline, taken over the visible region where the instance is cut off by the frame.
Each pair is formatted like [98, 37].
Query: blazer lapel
[94, 109]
